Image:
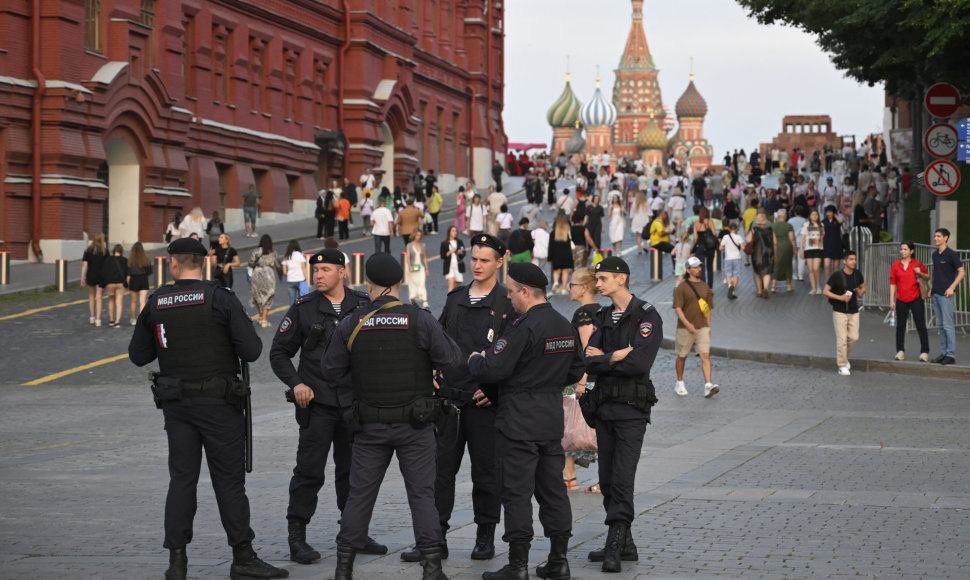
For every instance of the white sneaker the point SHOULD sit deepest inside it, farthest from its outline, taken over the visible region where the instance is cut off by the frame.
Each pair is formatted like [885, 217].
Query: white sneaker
[97, 322]
[133, 321]
[900, 355]
[680, 389]
[90, 320]
[924, 357]
[848, 364]
[844, 371]
[710, 390]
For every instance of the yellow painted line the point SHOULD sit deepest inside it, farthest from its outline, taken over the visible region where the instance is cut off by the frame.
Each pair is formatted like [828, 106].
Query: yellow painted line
[56, 376]
[67, 444]
[42, 309]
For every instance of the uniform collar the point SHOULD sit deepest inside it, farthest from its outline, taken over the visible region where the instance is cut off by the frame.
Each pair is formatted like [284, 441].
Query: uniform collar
[487, 300]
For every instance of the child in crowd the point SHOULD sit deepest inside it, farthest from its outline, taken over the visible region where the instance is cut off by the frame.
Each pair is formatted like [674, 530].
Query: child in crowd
[682, 251]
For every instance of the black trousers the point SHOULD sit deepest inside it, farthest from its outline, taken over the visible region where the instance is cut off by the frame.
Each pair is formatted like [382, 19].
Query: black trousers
[476, 428]
[434, 220]
[918, 308]
[382, 241]
[325, 429]
[220, 429]
[527, 469]
[707, 259]
[343, 230]
[619, 444]
[320, 223]
[372, 451]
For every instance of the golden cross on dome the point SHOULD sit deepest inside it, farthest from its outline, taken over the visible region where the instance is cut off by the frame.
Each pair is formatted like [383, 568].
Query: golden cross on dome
[691, 69]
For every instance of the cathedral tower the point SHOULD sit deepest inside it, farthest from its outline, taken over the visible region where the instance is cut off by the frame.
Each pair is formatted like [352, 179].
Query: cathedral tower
[689, 145]
[636, 91]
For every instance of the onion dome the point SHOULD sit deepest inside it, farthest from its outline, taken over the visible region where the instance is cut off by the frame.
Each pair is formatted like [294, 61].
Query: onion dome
[564, 112]
[577, 142]
[691, 103]
[598, 112]
[651, 137]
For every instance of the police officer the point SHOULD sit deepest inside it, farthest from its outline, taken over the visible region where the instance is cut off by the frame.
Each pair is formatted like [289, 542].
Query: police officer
[534, 359]
[307, 327]
[390, 354]
[198, 331]
[620, 354]
[474, 316]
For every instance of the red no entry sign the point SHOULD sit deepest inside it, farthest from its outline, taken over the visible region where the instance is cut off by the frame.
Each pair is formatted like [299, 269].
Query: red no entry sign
[942, 177]
[942, 100]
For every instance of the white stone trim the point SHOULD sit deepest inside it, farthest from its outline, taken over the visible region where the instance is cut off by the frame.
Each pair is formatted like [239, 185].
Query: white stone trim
[365, 102]
[109, 72]
[163, 190]
[55, 84]
[183, 111]
[365, 147]
[259, 134]
[29, 83]
[384, 89]
[408, 157]
[56, 179]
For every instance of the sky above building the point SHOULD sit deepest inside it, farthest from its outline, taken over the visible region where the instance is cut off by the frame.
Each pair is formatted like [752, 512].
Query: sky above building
[750, 75]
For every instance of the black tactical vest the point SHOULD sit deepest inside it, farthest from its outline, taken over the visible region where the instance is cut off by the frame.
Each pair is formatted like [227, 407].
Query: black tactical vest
[387, 367]
[189, 342]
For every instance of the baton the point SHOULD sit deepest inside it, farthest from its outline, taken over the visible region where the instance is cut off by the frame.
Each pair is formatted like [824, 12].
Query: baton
[249, 418]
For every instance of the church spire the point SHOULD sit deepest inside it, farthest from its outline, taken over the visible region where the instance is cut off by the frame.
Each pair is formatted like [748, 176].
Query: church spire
[636, 55]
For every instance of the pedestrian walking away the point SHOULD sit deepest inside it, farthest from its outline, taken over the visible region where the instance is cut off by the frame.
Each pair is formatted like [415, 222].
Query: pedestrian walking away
[393, 410]
[474, 316]
[948, 272]
[199, 331]
[844, 290]
[693, 302]
[525, 372]
[320, 412]
[620, 355]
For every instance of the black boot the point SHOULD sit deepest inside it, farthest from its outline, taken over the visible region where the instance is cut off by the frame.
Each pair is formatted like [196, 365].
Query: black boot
[629, 553]
[518, 566]
[414, 554]
[431, 561]
[484, 543]
[556, 566]
[300, 551]
[345, 564]
[178, 564]
[245, 565]
[615, 541]
[372, 547]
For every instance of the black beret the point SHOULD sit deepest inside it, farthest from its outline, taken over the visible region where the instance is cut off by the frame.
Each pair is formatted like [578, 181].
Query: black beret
[383, 270]
[489, 241]
[613, 265]
[329, 256]
[187, 246]
[528, 274]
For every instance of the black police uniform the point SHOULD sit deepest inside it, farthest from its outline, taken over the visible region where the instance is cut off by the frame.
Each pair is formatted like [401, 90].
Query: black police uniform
[625, 394]
[474, 327]
[307, 328]
[198, 331]
[391, 364]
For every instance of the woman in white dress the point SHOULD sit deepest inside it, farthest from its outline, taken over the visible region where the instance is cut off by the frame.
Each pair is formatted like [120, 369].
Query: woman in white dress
[639, 218]
[617, 224]
[416, 262]
[453, 258]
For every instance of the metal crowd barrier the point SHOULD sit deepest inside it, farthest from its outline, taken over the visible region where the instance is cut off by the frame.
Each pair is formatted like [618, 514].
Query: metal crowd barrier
[877, 260]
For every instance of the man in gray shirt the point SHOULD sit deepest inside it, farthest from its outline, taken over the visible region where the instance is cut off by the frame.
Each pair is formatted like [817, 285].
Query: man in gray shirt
[250, 208]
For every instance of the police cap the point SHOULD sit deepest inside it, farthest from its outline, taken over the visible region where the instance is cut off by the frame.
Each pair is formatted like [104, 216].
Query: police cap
[489, 241]
[328, 256]
[383, 270]
[528, 274]
[187, 246]
[613, 265]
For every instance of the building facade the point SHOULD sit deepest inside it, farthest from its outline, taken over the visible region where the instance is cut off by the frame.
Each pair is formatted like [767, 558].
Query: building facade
[119, 113]
[636, 91]
[805, 132]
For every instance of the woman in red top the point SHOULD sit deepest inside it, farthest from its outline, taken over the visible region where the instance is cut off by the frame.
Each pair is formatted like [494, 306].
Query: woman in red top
[343, 218]
[904, 297]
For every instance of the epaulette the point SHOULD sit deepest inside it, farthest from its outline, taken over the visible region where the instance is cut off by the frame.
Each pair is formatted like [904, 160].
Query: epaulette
[646, 306]
[305, 297]
[361, 294]
[227, 289]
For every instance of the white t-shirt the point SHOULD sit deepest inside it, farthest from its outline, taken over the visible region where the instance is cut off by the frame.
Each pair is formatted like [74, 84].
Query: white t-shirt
[294, 267]
[656, 204]
[540, 238]
[367, 181]
[504, 221]
[732, 247]
[677, 202]
[476, 219]
[605, 160]
[381, 222]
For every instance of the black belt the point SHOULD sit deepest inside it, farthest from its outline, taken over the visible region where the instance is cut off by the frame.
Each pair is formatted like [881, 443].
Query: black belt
[389, 415]
[214, 387]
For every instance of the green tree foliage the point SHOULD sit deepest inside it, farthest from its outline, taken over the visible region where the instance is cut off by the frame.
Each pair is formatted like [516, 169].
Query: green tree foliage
[906, 44]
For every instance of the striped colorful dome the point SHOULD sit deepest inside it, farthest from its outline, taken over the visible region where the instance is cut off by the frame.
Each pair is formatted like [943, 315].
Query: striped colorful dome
[564, 113]
[651, 137]
[691, 103]
[598, 112]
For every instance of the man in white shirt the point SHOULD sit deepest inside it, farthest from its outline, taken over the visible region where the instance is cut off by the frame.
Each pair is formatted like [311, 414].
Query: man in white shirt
[605, 161]
[495, 200]
[382, 227]
[830, 195]
[367, 181]
[732, 245]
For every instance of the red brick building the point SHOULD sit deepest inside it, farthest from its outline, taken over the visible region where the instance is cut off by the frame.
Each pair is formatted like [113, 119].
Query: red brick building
[141, 108]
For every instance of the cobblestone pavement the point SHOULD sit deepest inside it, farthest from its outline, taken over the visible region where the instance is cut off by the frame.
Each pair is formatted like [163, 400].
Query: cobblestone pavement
[786, 473]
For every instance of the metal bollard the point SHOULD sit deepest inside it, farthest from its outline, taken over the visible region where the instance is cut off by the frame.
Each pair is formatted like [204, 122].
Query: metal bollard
[161, 271]
[207, 268]
[357, 272]
[717, 261]
[60, 274]
[4, 267]
[656, 265]
[404, 268]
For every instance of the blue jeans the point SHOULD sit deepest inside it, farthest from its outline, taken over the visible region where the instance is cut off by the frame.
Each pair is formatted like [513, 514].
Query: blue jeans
[294, 289]
[943, 308]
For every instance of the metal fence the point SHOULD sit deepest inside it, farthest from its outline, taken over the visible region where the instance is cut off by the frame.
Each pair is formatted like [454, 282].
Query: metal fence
[877, 260]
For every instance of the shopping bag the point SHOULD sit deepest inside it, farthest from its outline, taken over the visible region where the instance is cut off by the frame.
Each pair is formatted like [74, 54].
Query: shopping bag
[577, 435]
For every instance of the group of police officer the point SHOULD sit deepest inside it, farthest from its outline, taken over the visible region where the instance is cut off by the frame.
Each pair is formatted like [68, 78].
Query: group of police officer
[377, 377]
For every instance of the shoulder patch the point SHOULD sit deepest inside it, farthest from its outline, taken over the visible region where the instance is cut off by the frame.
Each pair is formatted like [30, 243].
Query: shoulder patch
[286, 324]
[178, 299]
[559, 344]
[646, 329]
[500, 346]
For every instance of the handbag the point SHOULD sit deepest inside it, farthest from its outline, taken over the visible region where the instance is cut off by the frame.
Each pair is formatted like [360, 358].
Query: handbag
[577, 435]
[706, 239]
[704, 305]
